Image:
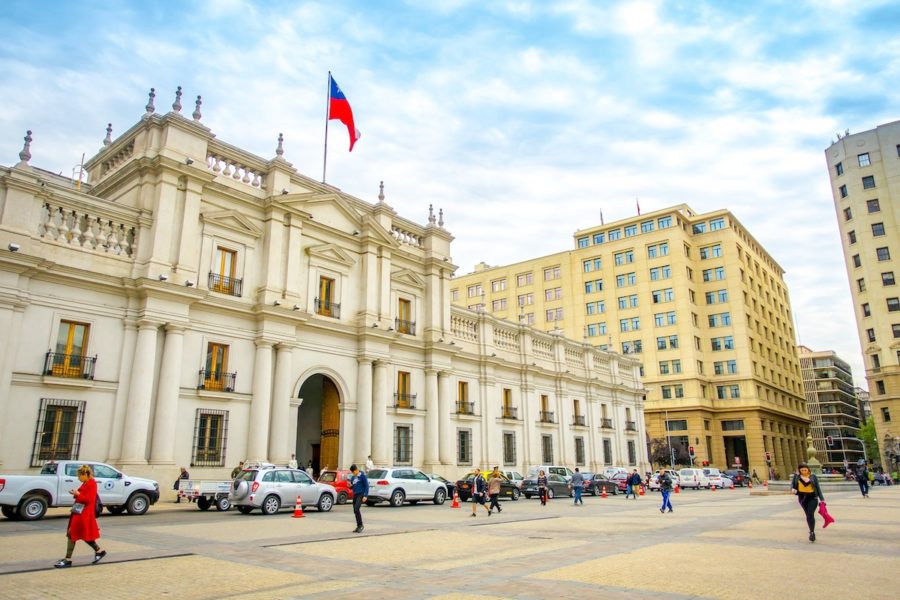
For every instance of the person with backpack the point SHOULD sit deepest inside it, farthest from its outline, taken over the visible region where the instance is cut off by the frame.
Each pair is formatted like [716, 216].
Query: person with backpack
[805, 485]
[479, 490]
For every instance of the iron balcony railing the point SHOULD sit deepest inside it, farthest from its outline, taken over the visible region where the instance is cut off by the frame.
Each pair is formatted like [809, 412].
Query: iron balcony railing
[510, 412]
[216, 381]
[327, 308]
[578, 420]
[225, 285]
[606, 423]
[547, 417]
[405, 326]
[465, 408]
[630, 426]
[75, 366]
[402, 400]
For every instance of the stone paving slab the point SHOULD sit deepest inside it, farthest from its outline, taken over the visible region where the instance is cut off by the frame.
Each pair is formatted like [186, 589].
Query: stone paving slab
[576, 525]
[871, 536]
[712, 570]
[258, 527]
[38, 546]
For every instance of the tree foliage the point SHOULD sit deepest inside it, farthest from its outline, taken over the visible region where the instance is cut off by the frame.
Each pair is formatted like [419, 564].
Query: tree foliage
[867, 435]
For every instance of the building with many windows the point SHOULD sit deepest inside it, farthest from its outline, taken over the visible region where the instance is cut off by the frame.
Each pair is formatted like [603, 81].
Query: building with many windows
[194, 304]
[865, 179]
[834, 408]
[702, 305]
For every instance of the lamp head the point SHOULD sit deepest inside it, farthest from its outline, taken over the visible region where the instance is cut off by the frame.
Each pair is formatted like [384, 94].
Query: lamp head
[163, 277]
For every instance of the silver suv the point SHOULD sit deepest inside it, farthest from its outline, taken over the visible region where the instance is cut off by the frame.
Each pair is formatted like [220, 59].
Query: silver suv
[271, 488]
[403, 484]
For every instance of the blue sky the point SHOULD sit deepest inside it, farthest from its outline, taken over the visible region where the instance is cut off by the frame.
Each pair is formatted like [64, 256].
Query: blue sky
[521, 119]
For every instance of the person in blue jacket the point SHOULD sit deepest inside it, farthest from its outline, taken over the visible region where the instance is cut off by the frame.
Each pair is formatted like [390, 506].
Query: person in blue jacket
[359, 483]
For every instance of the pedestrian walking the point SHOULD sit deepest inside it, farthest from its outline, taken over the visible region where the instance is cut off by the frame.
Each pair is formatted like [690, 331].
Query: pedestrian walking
[805, 485]
[542, 487]
[862, 478]
[665, 488]
[177, 486]
[479, 489]
[292, 464]
[756, 478]
[633, 484]
[577, 485]
[309, 469]
[359, 484]
[494, 484]
[237, 470]
[82, 520]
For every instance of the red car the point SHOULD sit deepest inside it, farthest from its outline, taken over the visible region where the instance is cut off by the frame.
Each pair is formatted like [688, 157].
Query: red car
[621, 480]
[339, 479]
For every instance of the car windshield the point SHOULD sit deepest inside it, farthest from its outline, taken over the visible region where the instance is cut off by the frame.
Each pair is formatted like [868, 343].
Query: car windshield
[49, 469]
[377, 473]
[328, 476]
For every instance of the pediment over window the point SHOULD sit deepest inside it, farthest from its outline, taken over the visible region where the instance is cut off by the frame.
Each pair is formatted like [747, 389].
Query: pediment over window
[316, 202]
[332, 253]
[407, 277]
[233, 221]
[872, 349]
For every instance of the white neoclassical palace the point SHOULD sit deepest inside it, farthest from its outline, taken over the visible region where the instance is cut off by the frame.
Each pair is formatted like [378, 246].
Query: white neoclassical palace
[192, 304]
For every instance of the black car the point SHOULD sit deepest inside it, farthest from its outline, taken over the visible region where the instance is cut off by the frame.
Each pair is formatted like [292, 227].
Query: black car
[738, 476]
[556, 484]
[508, 488]
[595, 482]
[450, 485]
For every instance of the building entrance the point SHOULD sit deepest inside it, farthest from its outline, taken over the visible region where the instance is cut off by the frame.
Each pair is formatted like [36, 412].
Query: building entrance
[736, 452]
[318, 424]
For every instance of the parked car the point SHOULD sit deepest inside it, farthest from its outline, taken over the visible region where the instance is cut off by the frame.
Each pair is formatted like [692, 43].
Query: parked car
[564, 472]
[654, 481]
[27, 497]
[693, 478]
[403, 484]
[727, 483]
[610, 471]
[621, 480]
[556, 486]
[738, 476]
[272, 488]
[515, 477]
[508, 489]
[339, 479]
[450, 485]
[714, 476]
[595, 482]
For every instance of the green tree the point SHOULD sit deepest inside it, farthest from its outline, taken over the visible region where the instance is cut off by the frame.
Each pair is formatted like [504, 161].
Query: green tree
[867, 435]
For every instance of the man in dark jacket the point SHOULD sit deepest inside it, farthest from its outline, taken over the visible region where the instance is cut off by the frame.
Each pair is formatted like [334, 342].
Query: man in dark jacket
[665, 488]
[359, 484]
[479, 491]
[183, 475]
[633, 484]
[862, 478]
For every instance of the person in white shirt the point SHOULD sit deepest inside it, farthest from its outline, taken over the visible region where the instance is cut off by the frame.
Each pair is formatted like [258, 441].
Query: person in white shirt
[369, 464]
[293, 462]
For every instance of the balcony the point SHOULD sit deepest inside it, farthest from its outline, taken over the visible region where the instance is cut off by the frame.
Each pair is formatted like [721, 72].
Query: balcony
[510, 412]
[547, 416]
[216, 381]
[606, 423]
[630, 426]
[327, 308]
[404, 400]
[578, 420]
[225, 285]
[465, 408]
[73, 366]
[405, 326]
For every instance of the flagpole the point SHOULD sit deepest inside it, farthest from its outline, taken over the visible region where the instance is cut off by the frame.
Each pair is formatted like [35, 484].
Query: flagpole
[327, 111]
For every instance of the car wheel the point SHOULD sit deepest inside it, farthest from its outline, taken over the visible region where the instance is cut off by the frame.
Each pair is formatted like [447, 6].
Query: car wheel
[550, 494]
[528, 496]
[203, 503]
[342, 498]
[32, 508]
[397, 498]
[439, 497]
[138, 504]
[371, 503]
[515, 494]
[245, 510]
[270, 505]
[326, 501]
[223, 504]
[9, 512]
[116, 510]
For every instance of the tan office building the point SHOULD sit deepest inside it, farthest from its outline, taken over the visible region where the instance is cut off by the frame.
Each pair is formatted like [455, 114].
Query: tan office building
[865, 181]
[700, 302]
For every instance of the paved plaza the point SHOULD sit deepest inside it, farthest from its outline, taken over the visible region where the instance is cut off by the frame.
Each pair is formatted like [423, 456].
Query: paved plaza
[725, 544]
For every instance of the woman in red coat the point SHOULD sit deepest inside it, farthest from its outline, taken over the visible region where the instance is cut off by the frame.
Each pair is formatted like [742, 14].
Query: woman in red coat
[82, 521]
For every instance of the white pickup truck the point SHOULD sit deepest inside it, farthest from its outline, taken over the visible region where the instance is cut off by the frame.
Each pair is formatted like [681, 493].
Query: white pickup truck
[27, 497]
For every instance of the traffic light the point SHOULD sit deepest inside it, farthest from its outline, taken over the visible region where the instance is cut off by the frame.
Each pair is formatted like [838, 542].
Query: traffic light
[691, 450]
[768, 457]
[829, 440]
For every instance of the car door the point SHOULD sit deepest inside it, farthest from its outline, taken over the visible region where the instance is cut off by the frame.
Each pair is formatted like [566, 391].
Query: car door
[68, 481]
[285, 487]
[424, 485]
[110, 484]
[407, 481]
[305, 487]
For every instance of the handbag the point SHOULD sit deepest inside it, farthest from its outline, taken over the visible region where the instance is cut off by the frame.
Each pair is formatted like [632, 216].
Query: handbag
[77, 508]
[824, 512]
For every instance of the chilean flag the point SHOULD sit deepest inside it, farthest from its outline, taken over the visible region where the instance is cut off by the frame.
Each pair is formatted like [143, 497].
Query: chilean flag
[339, 108]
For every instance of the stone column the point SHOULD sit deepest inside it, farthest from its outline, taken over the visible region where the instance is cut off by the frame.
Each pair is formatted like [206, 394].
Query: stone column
[140, 395]
[162, 447]
[257, 438]
[363, 411]
[432, 418]
[117, 422]
[10, 324]
[445, 430]
[279, 447]
[381, 433]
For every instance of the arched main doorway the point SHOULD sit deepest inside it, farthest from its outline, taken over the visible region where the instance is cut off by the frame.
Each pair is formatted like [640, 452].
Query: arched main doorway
[318, 424]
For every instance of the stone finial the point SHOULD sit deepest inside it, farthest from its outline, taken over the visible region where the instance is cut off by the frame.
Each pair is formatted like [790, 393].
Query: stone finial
[176, 106]
[279, 149]
[441, 217]
[108, 139]
[25, 154]
[431, 214]
[151, 106]
[196, 114]
[381, 191]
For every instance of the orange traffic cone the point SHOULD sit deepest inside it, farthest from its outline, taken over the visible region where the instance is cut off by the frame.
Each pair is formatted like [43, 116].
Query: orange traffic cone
[641, 491]
[677, 489]
[455, 503]
[766, 483]
[603, 495]
[713, 487]
[750, 484]
[298, 509]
